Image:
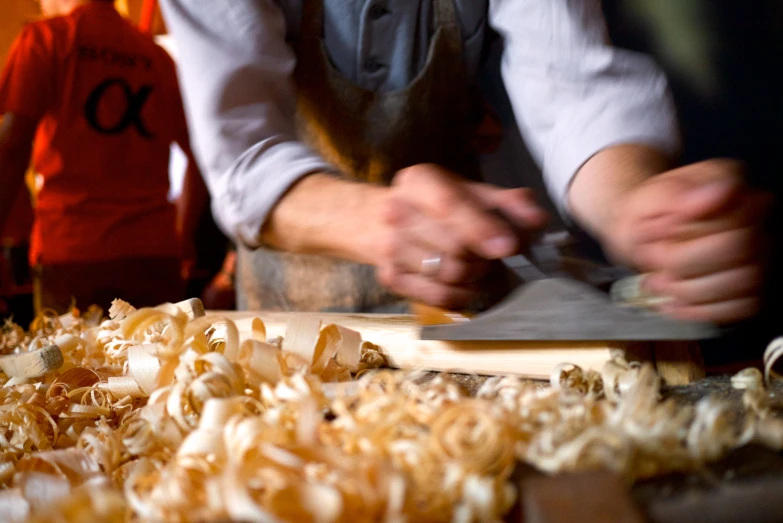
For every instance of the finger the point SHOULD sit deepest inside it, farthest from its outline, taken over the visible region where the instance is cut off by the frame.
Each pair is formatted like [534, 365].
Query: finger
[722, 312]
[419, 238]
[519, 205]
[692, 192]
[706, 201]
[450, 270]
[706, 188]
[419, 228]
[703, 256]
[442, 196]
[741, 282]
[751, 211]
[655, 229]
[425, 290]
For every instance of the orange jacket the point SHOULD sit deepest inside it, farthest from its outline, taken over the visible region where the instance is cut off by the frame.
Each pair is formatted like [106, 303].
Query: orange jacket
[108, 106]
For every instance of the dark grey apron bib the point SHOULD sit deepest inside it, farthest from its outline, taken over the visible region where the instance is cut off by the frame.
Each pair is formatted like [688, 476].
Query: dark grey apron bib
[369, 136]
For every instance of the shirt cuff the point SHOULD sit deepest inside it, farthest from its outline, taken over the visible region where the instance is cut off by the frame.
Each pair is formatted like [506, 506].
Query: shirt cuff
[644, 117]
[256, 182]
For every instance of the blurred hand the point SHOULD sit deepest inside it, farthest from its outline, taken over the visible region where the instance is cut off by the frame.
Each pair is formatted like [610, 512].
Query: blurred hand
[441, 233]
[697, 232]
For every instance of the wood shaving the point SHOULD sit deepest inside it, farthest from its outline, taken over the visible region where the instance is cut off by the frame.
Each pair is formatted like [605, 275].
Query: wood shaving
[772, 354]
[163, 414]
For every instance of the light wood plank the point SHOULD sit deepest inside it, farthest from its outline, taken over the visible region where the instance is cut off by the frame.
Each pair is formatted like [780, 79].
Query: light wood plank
[398, 338]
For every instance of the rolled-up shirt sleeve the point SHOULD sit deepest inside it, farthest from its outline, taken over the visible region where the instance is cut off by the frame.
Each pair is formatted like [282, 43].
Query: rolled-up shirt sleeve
[235, 71]
[574, 94]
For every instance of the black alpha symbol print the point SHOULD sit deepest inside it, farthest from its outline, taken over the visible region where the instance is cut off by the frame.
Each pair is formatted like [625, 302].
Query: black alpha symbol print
[132, 115]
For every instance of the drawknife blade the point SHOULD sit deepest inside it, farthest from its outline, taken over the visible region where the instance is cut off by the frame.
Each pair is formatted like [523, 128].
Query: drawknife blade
[565, 309]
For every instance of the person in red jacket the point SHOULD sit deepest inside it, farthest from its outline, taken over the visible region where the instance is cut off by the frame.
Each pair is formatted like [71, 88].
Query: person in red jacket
[95, 103]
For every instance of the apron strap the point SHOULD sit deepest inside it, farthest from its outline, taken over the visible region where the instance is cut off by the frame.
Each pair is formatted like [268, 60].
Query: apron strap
[445, 14]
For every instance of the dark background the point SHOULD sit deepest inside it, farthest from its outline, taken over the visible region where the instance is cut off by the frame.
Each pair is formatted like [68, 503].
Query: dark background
[723, 59]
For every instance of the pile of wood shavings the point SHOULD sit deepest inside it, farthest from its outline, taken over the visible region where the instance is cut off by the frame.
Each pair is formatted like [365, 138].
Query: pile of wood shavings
[157, 417]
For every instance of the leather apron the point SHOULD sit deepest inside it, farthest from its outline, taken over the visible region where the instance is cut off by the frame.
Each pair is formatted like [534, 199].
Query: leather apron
[369, 136]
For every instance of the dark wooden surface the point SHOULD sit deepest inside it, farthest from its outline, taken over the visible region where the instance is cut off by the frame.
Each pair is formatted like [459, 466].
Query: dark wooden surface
[742, 481]
[595, 496]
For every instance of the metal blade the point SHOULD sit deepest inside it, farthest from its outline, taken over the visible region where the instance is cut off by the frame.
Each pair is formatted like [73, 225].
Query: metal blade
[567, 310]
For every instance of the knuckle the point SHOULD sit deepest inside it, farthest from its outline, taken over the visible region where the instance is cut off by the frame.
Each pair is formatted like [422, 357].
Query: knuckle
[404, 176]
[414, 174]
[392, 211]
[387, 276]
[447, 199]
[428, 171]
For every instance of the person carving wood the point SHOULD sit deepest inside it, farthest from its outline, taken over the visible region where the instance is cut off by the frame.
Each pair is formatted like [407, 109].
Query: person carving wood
[95, 104]
[336, 139]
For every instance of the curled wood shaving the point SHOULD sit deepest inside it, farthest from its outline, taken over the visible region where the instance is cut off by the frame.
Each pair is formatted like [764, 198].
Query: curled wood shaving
[120, 310]
[750, 378]
[772, 354]
[569, 376]
[161, 414]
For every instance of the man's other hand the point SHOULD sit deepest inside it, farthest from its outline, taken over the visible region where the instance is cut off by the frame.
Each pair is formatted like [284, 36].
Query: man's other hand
[697, 231]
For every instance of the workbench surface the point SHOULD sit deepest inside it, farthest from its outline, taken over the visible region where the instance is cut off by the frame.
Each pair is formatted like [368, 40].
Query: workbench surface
[752, 464]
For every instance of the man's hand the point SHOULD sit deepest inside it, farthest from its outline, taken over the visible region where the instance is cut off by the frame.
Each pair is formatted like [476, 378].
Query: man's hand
[441, 234]
[697, 232]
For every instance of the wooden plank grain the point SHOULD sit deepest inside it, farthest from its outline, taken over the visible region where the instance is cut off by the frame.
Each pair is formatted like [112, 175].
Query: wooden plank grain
[398, 338]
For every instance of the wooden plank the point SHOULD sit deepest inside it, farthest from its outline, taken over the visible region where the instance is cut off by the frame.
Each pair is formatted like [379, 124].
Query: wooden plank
[398, 338]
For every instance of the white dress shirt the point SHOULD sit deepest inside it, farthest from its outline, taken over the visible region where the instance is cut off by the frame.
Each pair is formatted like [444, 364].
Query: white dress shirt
[572, 93]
